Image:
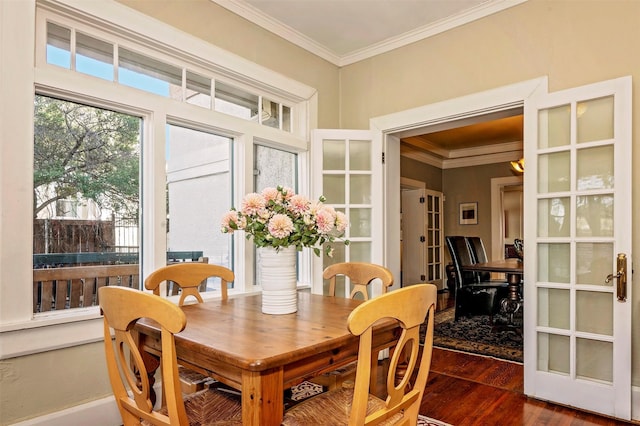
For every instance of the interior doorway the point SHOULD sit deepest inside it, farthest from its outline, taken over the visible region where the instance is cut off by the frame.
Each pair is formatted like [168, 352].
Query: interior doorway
[506, 213]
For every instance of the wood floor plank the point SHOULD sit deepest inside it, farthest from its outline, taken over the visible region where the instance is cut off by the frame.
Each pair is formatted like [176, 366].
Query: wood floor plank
[471, 390]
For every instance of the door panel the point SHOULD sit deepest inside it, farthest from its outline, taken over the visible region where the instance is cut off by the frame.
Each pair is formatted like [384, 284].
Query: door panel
[346, 169]
[578, 181]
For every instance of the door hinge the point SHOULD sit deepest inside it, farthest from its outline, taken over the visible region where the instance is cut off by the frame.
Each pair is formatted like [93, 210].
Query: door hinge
[383, 158]
[421, 200]
[422, 239]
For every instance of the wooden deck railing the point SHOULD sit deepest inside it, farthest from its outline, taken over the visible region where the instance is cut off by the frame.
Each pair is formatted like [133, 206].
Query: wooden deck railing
[77, 287]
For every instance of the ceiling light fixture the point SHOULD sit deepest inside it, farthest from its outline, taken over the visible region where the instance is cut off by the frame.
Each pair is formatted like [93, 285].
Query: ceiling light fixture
[518, 166]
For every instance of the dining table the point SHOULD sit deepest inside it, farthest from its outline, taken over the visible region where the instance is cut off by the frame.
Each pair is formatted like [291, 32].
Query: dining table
[259, 354]
[513, 269]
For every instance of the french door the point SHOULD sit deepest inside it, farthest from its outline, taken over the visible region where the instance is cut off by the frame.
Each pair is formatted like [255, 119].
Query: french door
[578, 229]
[347, 170]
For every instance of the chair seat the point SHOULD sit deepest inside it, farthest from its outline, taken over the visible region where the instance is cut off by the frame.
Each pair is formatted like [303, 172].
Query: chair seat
[330, 409]
[211, 407]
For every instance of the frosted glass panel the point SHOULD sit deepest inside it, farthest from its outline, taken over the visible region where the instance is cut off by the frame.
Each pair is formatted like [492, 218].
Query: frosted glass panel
[594, 312]
[594, 360]
[360, 155]
[554, 127]
[554, 172]
[334, 188]
[553, 262]
[594, 263]
[333, 155]
[359, 223]
[594, 216]
[554, 217]
[553, 353]
[595, 120]
[595, 168]
[360, 251]
[553, 308]
[360, 189]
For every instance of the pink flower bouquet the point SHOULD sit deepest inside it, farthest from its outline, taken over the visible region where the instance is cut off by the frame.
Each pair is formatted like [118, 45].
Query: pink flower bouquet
[277, 217]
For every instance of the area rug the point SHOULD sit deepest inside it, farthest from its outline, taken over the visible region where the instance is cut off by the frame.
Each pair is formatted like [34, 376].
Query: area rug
[477, 335]
[308, 389]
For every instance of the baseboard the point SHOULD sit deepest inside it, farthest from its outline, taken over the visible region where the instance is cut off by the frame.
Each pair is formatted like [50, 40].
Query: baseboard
[100, 412]
[635, 403]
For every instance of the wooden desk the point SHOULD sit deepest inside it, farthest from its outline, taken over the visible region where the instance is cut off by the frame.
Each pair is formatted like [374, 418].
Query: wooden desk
[513, 269]
[260, 354]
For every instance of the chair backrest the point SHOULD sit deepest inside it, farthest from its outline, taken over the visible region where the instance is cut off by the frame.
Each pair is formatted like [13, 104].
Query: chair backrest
[361, 274]
[189, 276]
[122, 307]
[478, 255]
[410, 307]
[461, 256]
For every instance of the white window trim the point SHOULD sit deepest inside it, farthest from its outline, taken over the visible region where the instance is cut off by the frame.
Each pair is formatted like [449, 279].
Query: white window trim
[21, 332]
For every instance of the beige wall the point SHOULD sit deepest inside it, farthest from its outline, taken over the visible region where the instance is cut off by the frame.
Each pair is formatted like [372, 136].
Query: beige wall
[573, 43]
[471, 184]
[430, 175]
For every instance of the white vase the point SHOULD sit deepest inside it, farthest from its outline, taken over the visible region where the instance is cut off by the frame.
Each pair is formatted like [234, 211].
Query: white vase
[278, 280]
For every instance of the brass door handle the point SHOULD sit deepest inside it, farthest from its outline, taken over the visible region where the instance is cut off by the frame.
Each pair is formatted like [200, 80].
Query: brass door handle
[620, 277]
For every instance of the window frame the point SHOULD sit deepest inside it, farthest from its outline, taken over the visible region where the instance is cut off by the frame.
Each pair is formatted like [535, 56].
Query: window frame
[21, 331]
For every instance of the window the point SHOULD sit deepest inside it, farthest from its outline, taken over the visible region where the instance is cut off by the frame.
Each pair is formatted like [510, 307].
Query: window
[77, 59]
[86, 175]
[198, 191]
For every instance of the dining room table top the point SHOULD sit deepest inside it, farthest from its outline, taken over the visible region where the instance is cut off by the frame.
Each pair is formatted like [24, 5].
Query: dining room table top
[237, 333]
[511, 265]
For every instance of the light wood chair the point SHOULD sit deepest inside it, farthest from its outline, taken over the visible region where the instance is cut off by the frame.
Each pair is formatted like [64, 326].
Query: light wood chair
[189, 277]
[121, 308]
[410, 306]
[361, 275]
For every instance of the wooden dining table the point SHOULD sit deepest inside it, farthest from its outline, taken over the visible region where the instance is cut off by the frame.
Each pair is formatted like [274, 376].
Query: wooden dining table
[513, 269]
[259, 354]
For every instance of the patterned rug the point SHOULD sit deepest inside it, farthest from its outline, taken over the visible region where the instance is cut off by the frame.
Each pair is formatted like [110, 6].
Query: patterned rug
[307, 389]
[477, 335]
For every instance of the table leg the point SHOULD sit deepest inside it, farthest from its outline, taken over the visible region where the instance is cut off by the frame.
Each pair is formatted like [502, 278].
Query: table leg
[263, 397]
[510, 305]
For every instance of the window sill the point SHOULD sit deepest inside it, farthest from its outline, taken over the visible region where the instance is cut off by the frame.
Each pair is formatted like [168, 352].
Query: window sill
[49, 332]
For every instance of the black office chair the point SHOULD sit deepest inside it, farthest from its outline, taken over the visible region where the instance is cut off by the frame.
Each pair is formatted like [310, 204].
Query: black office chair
[473, 297]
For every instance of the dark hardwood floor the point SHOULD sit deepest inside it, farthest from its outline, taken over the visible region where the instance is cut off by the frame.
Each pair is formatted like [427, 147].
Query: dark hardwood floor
[466, 389]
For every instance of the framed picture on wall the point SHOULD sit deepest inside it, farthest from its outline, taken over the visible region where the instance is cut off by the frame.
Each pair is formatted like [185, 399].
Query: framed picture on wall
[469, 213]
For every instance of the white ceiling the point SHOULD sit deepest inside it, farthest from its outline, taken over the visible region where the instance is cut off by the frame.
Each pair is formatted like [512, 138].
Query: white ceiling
[347, 31]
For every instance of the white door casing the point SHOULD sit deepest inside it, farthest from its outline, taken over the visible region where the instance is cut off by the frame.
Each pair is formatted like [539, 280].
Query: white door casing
[578, 197]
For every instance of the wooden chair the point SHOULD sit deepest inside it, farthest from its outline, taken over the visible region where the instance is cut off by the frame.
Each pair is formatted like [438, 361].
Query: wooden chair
[121, 308]
[189, 277]
[409, 306]
[361, 275]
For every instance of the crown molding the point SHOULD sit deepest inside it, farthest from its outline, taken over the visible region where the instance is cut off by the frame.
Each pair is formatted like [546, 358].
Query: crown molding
[259, 18]
[265, 21]
[467, 157]
[480, 11]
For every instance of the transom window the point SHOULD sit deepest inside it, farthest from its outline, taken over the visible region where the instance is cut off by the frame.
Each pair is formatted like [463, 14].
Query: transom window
[75, 50]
